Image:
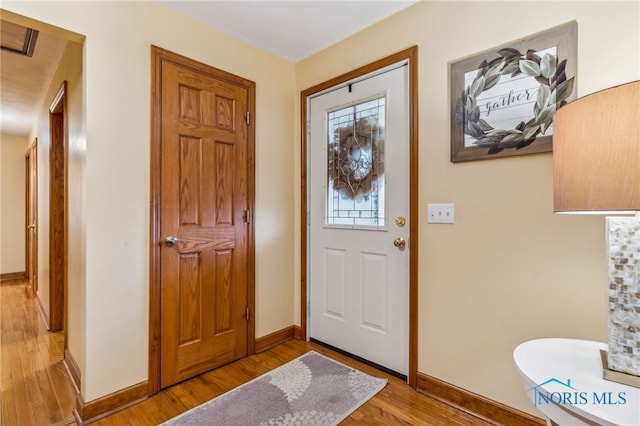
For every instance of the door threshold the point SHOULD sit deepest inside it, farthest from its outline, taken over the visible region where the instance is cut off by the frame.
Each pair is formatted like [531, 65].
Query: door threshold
[389, 371]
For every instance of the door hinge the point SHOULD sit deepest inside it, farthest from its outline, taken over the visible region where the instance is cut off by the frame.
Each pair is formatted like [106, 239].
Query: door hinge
[247, 216]
[248, 117]
[247, 314]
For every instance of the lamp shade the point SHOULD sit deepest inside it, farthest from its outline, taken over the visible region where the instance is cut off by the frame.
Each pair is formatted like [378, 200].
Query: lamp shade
[596, 152]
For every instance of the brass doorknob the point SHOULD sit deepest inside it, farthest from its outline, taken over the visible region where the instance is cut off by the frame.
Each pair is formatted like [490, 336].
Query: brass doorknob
[400, 243]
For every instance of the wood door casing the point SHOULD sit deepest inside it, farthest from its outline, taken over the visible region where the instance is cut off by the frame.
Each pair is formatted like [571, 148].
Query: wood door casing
[58, 201]
[204, 283]
[32, 214]
[411, 54]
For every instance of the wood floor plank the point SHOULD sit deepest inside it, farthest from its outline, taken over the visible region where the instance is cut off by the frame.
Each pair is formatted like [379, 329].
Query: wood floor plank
[31, 371]
[57, 379]
[9, 414]
[19, 348]
[35, 391]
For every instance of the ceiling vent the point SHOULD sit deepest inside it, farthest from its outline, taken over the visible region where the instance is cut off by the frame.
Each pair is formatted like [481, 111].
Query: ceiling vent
[17, 39]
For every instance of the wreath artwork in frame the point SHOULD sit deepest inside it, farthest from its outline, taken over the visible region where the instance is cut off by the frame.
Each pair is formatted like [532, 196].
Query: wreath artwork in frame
[503, 99]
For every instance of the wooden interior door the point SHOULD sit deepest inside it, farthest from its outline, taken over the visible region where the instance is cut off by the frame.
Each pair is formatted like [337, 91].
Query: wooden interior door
[32, 214]
[204, 223]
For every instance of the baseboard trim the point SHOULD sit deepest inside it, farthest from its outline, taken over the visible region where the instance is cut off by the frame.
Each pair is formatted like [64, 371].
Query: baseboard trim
[43, 313]
[482, 407]
[270, 340]
[72, 369]
[89, 412]
[13, 276]
[297, 332]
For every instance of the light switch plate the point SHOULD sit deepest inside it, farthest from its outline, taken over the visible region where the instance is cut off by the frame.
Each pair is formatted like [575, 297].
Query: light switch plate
[441, 213]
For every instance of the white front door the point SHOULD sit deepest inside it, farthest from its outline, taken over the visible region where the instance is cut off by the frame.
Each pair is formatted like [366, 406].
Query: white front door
[359, 218]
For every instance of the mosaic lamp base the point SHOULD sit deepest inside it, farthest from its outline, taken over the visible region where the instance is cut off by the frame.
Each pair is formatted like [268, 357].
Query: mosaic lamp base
[617, 376]
[623, 358]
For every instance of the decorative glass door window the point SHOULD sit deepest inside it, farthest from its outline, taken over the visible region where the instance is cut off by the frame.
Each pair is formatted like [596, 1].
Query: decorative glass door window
[355, 165]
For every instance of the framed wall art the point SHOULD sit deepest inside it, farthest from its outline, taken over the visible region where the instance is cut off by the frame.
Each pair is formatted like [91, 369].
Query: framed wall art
[503, 99]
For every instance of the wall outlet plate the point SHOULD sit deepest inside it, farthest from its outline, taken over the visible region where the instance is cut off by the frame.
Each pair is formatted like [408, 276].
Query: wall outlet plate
[441, 213]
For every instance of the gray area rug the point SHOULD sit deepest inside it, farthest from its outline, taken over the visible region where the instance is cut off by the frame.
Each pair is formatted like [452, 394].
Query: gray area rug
[310, 390]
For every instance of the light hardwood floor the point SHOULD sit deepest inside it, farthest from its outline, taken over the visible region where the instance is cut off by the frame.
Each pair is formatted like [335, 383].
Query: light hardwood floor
[36, 390]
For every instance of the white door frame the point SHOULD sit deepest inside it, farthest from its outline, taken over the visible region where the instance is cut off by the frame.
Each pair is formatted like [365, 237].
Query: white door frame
[411, 56]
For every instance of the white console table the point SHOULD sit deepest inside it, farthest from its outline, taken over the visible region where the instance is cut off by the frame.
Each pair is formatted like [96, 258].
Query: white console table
[563, 378]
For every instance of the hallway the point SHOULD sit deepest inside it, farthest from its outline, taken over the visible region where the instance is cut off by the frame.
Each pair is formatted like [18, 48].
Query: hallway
[35, 387]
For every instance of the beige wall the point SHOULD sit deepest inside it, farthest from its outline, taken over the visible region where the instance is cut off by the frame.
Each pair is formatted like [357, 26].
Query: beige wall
[70, 70]
[12, 203]
[508, 270]
[111, 264]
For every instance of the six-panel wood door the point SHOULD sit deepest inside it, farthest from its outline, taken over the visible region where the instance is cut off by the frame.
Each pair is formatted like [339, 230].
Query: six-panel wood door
[204, 176]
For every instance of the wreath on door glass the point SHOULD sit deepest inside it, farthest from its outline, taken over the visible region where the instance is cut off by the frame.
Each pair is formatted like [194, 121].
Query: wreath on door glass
[356, 158]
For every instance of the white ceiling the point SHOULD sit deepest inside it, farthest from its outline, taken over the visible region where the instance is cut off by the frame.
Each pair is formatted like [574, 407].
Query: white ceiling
[24, 81]
[292, 30]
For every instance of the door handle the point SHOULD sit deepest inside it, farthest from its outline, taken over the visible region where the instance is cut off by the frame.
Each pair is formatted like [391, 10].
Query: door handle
[400, 243]
[171, 241]
[31, 227]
